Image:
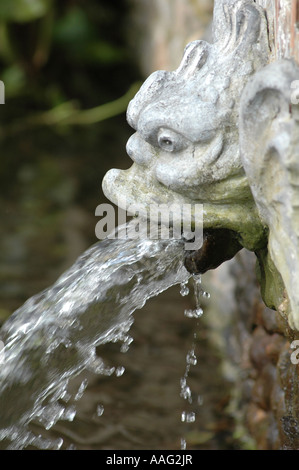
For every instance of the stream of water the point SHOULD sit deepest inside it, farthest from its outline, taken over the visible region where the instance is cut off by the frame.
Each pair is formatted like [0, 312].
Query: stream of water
[189, 416]
[54, 335]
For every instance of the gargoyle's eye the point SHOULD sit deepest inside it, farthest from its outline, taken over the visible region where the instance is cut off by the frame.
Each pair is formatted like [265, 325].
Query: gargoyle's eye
[166, 143]
[170, 141]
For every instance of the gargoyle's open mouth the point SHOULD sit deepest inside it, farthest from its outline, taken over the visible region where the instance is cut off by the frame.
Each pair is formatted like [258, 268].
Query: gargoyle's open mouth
[218, 245]
[137, 188]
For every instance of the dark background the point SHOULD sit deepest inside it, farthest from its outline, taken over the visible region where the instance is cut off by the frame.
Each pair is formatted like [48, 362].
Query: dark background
[57, 57]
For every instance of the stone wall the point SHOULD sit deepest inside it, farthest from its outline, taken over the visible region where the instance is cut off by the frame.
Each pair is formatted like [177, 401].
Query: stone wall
[270, 381]
[255, 343]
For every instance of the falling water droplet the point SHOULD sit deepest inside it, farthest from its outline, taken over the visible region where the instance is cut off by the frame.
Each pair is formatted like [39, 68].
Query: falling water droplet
[186, 394]
[200, 400]
[119, 371]
[126, 344]
[184, 289]
[97, 366]
[190, 417]
[66, 396]
[69, 414]
[188, 313]
[71, 447]
[196, 313]
[197, 278]
[191, 358]
[59, 443]
[183, 444]
[81, 390]
[197, 291]
[207, 295]
[55, 444]
[100, 410]
[50, 414]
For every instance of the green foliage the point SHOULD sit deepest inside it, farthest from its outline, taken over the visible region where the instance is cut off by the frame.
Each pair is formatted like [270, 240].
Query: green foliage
[73, 27]
[23, 10]
[62, 62]
[14, 78]
[78, 37]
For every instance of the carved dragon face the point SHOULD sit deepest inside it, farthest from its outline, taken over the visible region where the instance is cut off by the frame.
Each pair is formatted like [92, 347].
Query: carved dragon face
[184, 121]
[186, 145]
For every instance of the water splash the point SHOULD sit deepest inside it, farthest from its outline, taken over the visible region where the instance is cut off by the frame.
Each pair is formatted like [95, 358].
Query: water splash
[53, 336]
[127, 340]
[81, 390]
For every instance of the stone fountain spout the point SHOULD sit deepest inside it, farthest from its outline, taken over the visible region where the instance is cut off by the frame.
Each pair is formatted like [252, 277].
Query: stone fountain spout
[200, 139]
[186, 145]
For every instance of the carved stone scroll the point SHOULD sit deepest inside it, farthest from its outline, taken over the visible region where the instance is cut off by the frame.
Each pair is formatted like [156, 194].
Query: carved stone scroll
[269, 141]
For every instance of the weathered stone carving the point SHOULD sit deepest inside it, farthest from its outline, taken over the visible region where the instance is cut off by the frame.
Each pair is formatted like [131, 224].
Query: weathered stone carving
[269, 142]
[186, 145]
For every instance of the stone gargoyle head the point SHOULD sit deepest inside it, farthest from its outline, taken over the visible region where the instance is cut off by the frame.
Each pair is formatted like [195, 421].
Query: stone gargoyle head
[186, 145]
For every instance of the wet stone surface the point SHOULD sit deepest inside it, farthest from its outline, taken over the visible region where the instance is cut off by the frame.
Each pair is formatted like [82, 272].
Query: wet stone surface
[270, 378]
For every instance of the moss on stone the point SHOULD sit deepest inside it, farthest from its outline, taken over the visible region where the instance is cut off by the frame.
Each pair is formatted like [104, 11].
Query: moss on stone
[272, 286]
[241, 218]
